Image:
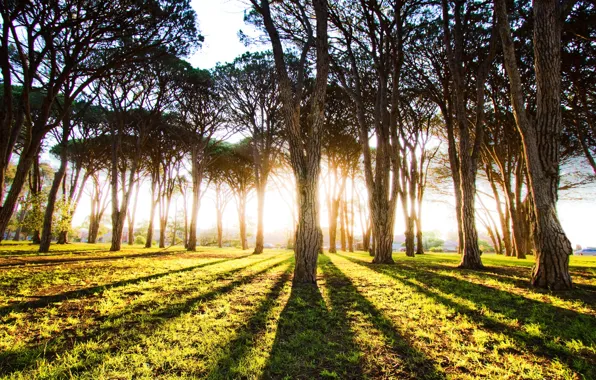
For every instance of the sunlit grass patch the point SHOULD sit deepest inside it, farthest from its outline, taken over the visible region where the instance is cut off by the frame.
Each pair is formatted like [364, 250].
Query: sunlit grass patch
[224, 314]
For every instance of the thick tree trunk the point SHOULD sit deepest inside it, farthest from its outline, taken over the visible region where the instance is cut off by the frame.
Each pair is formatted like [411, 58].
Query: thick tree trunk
[117, 228]
[541, 139]
[410, 237]
[35, 239]
[308, 231]
[419, 241]
[471, 252]
[382, 215]
[305, 153]
[62, 237]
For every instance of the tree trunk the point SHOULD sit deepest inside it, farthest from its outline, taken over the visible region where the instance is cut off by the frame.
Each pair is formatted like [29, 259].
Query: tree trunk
[132, 215]
[541, 139]
[154, 203]
[46, 234]
[305, 153]
[219, 228]
[382, 215]
[196, 199]
[242, 220]
[342, 225]
[62, 237]
[471, 252]
[308, 231]
[333, 216]
[24, 165]
[260, 239]
[419, 241]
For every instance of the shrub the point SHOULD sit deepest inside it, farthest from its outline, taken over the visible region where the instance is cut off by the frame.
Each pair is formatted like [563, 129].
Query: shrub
[436, 249]
[140, 239]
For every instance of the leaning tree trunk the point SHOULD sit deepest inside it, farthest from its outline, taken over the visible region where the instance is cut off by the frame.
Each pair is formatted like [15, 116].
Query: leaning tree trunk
[46, 231]
[541, 139]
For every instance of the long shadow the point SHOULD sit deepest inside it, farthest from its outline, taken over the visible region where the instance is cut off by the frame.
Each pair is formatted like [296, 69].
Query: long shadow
[47, 300]
[311, 342]
[511, 275]
[345, 299]
[556, 322]
[49, 261]
[124, 334]
[246, 338]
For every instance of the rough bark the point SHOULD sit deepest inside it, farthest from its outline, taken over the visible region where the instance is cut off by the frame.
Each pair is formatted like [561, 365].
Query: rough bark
[541, 139]
[305, 155]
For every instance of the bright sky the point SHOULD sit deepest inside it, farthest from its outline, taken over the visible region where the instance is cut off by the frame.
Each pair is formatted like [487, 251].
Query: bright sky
[219, 22]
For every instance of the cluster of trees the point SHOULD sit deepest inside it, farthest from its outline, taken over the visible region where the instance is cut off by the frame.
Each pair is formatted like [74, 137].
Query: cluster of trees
[493, 69]
[357, 99]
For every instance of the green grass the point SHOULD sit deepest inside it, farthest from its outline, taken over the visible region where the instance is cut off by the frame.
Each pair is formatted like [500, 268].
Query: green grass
[84, 312]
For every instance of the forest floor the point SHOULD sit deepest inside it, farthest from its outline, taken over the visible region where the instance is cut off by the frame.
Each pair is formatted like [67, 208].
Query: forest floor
[222, 313]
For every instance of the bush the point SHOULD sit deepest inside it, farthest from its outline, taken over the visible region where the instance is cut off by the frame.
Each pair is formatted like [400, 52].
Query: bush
[140, 239]
[436, 249]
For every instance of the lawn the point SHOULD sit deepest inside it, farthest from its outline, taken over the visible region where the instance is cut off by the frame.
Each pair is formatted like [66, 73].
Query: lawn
[84, 312]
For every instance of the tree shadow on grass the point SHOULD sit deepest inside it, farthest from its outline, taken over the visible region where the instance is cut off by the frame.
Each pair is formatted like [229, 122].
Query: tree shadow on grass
[519, 277]
[121, 330]
[311, 342]
[347, 302]
[79, 293]
[49, 259]
[555, 323]
[230, 365]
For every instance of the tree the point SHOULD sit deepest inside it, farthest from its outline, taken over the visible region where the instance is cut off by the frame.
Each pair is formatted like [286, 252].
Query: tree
[342, 154]
[293, 20]
[63, 47]
[369, 71]
[540, 134]
[200, 114]
[236, 166]
[482, 47]
[251, 91]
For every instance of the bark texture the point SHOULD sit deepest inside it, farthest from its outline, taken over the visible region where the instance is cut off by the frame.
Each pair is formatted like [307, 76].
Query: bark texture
[540, 137]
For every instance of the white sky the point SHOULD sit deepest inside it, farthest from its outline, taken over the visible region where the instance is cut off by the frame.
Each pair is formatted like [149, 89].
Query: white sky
[219, 23]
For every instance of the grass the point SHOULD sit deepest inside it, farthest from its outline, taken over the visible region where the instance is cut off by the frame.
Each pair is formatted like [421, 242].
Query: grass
[83, 312]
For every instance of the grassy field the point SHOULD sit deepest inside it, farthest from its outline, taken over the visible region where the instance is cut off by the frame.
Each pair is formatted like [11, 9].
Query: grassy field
[83, 312]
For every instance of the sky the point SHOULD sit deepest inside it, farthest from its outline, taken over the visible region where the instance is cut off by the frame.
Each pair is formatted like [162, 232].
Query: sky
[219, 23]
